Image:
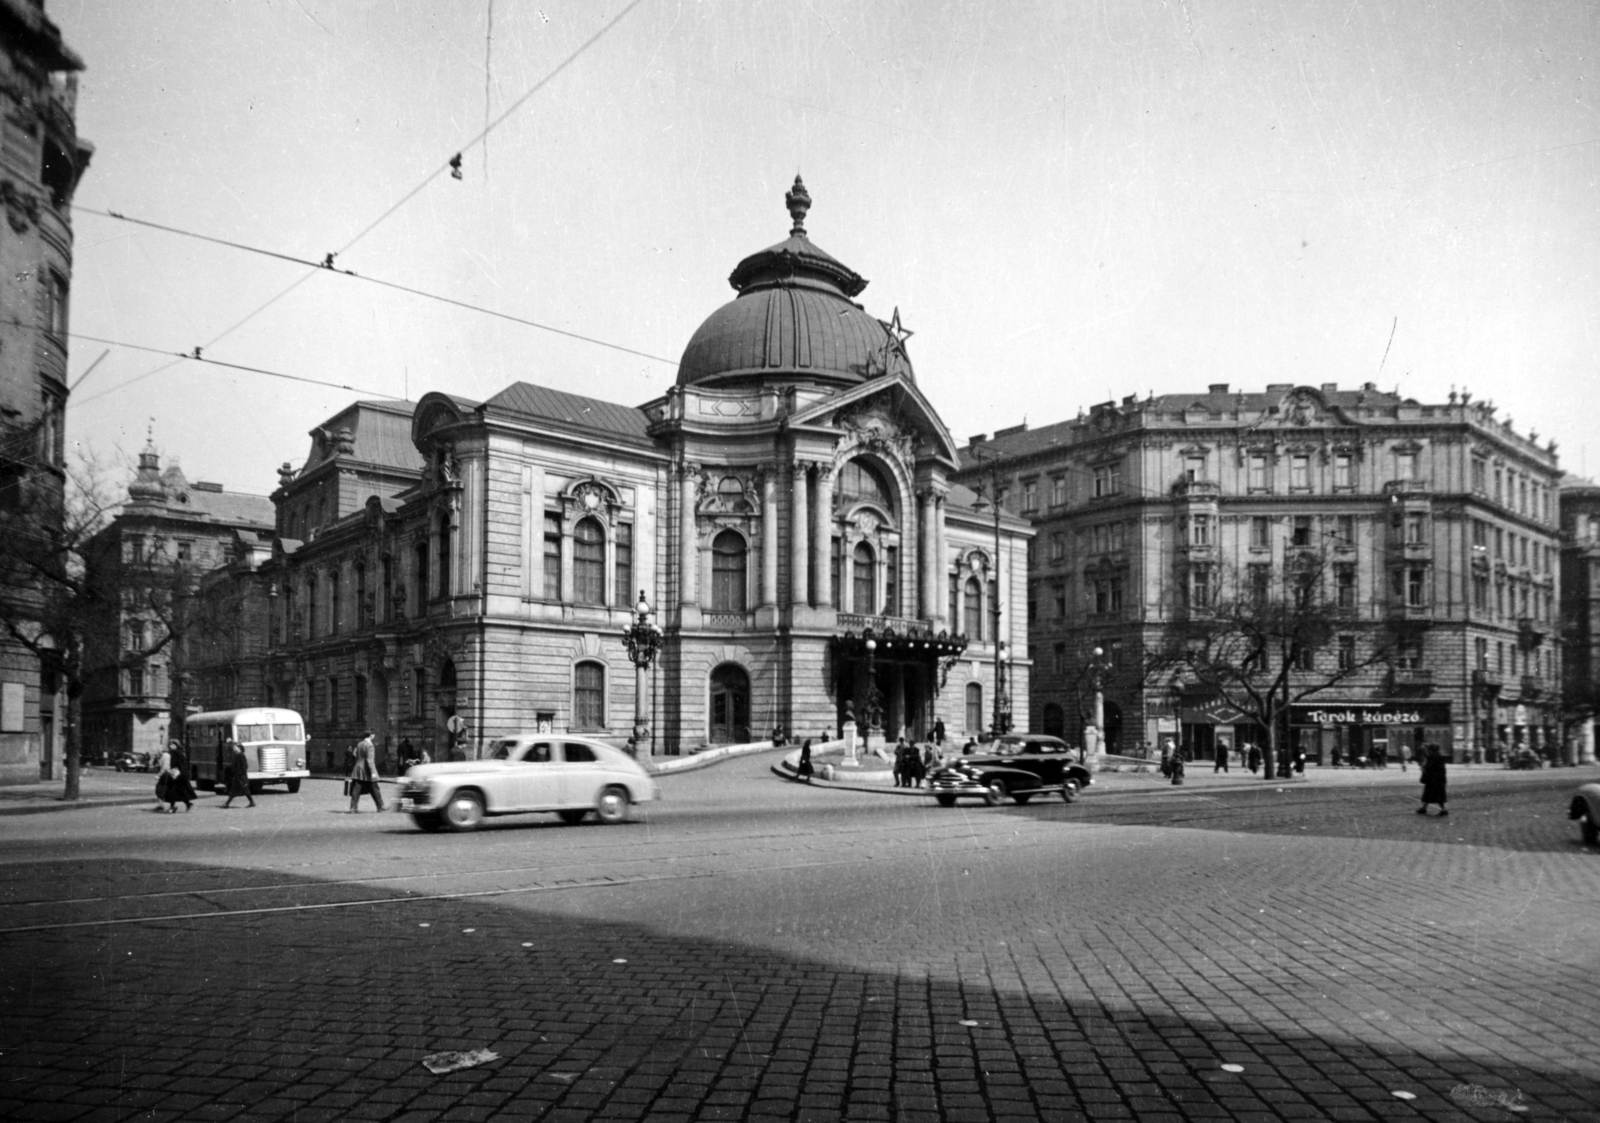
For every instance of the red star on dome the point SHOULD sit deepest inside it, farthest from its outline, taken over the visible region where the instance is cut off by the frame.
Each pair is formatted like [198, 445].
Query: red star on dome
[896, 341]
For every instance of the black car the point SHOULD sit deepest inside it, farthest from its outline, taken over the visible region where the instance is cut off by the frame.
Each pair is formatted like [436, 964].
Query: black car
[1018, 765]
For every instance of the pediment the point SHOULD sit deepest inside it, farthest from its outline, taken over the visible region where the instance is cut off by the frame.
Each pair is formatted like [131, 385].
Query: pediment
[889, 414]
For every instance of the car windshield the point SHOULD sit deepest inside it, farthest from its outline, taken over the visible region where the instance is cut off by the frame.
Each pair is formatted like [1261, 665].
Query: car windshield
[501, 750]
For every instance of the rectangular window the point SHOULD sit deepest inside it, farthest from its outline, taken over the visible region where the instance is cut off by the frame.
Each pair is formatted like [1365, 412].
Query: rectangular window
[1499, 543]
[552, 557]
[1058, 597]
[1481, 653]
[1480, 536]
[1058, 659]
[955, 602]
[419, 690]
[1305, 659]
[1300, 535]
[1347, 652]
[1260, 582]
[1058, 546]
[1299, 472]
[1030, 496]
[1260, 532]
[1058, 491]
[1116, 595]
[1408, 655]
[332, 700]
[588, 696]
[1405, 465]
[1200, 586]
[1480, 592]
[1345, 532]
[1499, 485]
[1480, 475]
[1344, 584]
[185, 551]
[1342, 477]
[359, 713]
[1194, 468]
[135, 680]
[1199, 530]
[623, 594]
[1416, 587]
[1416, 530]
[1258, 478]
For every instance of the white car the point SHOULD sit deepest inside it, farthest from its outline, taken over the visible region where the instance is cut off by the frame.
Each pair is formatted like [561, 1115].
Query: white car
[528, 772]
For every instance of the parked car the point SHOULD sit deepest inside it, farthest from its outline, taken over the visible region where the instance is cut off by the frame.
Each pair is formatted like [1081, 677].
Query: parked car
[1586, 809]
[528, 772]
[1017, 765]
[1524, 758]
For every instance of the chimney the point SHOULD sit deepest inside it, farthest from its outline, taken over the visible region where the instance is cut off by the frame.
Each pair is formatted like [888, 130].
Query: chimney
[204, 485]
[1330, 387]
[1217, 388]
[977, 440]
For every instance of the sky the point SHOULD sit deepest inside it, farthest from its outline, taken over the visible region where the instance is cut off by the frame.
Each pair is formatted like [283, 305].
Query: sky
[1067, 201]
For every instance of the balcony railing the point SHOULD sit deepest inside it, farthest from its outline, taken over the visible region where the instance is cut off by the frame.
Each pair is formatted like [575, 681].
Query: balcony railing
[725, 621]
[1532, 687]
[854, 622]
[1486, 680]
[1410, 680]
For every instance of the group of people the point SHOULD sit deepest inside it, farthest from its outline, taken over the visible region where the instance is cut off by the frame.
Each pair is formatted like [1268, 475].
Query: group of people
[912, 763]
[174, 786]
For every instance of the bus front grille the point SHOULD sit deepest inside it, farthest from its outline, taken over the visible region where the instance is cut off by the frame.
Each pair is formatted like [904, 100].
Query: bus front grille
[274, 758]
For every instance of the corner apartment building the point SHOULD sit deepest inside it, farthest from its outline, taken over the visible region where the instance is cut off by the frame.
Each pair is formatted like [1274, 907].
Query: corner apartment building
[1438, 524]
[41, 160]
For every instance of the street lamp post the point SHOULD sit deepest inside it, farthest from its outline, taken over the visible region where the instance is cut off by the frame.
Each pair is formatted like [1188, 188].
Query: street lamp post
[643, 640]
[872, 706]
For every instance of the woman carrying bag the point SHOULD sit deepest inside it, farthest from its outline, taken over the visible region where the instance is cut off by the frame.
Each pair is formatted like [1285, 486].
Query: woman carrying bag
[175, 771]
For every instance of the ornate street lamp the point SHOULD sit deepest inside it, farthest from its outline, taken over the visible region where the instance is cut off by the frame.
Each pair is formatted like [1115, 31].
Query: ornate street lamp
[643, 640]
[872, 706]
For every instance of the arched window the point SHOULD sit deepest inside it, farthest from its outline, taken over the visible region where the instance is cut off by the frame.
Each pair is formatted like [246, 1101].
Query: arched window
[974, 707]
[589, 563]
[588, 696]
[863, 580]
[860, 481]
[728, 568]
[973, 610]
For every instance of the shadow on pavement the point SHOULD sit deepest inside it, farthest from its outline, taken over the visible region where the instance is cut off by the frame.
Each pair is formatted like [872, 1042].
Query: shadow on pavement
[326, 1014]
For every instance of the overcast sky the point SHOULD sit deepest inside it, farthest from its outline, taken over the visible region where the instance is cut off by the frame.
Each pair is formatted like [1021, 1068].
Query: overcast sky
[1067, 201]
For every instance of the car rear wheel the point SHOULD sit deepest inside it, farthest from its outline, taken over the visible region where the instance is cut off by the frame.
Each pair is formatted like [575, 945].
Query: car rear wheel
[612, 806]
[1591, 832]
[427, 820]
[1021, 797]
[945, 800]
[573, 817]
[463, 811]
[1069, 791]
[994, 792]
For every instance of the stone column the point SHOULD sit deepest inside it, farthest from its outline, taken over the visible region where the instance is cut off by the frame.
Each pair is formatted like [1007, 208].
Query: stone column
[928, 609]
[688, 582]
[940, 578]
[822, 536]
[769, 537]
[799, 588]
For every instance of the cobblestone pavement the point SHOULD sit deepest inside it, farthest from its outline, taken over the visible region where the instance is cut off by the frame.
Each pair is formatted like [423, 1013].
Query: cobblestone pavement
[760, 950]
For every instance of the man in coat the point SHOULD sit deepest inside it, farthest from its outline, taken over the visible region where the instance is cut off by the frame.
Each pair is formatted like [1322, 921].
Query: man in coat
[1433, 781]
[237, 770]
[364, 773]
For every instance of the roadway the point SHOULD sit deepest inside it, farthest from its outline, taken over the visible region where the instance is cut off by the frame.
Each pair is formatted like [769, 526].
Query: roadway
[756, 949]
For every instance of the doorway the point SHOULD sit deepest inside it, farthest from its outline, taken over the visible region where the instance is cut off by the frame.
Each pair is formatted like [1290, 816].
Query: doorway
[730, 705]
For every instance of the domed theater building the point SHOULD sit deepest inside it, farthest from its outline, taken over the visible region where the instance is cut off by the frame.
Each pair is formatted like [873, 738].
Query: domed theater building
[785, 511]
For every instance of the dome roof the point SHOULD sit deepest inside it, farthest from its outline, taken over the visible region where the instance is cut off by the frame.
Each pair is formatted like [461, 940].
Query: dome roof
[793, 318]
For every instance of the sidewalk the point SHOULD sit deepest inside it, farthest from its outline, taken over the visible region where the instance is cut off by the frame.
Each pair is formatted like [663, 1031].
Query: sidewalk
[101, 786]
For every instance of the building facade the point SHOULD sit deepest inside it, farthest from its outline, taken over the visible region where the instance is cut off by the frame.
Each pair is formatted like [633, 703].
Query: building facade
[785, 510]
[1434, 528]
[1580, 609]
[159, 646]
[41, 160]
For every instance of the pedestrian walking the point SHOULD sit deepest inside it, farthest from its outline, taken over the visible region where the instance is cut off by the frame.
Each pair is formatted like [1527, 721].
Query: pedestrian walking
[938, 732]
[1222, 757]
[902, 764]
[1433, 781]
[932, 758]
[1176, 769]
[1254, 759]
[237, 774]
[804, 771]
[175, 769]
[919, 769]
[364, 774]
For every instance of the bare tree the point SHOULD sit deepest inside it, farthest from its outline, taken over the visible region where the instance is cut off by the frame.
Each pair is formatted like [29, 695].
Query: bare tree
[1261, 642]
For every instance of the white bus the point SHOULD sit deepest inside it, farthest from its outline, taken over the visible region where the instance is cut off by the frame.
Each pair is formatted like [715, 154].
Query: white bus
[274, 741]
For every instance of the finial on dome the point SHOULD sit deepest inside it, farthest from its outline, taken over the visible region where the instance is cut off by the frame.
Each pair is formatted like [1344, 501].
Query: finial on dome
[799, 202]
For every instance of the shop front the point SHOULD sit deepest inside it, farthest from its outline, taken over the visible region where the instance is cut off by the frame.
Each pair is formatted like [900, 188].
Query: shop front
[1353, 733]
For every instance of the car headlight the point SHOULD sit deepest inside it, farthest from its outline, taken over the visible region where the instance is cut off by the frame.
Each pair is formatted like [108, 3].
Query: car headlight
[300, 762]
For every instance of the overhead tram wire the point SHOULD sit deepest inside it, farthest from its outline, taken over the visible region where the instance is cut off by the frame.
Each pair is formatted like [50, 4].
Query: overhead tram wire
[496, 123]
[326, 264]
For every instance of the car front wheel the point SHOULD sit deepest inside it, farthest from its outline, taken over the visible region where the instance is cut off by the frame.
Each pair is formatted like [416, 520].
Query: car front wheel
[463, 811]
[994, 792]
[612, 806]
[427, 820]
[1069, 790]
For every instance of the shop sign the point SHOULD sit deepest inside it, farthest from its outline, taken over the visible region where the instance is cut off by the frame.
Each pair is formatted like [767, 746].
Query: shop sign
[1216, 711]
[1371, 713]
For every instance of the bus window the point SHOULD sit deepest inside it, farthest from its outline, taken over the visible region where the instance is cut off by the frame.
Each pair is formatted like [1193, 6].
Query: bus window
[283, 732]
[249, 734]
